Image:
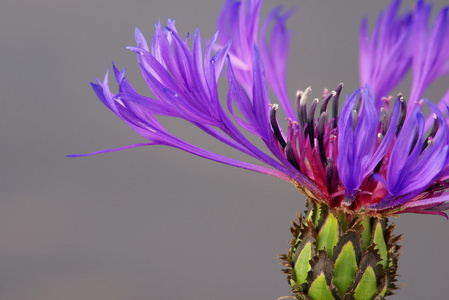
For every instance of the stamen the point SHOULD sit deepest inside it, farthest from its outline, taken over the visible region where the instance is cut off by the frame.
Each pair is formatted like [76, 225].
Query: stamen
[415, 140]
[377, 168]
[291, 129]
[355, 116]
[432, 133]
[402, 114]
[332, 140]
[320, 132]
[384, 121]
[298, 103]
[310, 123]
[291, 156]
[358, 103]
[302, 108]
[335, 105]
[435, 126]
[387, 101]
[275, 126]
[326, 101]
[329, 174]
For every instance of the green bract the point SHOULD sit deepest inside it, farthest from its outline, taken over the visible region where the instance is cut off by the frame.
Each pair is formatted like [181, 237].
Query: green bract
[334, 255]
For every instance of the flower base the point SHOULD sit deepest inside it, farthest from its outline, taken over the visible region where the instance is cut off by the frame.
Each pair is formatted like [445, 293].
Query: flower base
[334, 255]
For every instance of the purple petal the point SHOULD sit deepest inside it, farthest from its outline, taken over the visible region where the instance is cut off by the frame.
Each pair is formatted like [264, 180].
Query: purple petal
[275, 52]
[390, 44]
[260, 95]
[112, 150]
[431, 54]
[386, 142]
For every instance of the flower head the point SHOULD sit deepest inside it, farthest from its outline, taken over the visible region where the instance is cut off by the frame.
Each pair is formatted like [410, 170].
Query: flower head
[379, 155]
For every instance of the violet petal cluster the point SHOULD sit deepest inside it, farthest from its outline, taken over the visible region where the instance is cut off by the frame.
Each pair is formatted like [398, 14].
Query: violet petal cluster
[378, 155]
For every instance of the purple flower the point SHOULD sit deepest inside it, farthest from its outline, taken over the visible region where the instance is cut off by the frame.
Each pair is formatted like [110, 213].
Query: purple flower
[377, 156]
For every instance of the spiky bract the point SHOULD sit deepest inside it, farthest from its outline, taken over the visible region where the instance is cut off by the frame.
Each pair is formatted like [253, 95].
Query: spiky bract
[334, 255]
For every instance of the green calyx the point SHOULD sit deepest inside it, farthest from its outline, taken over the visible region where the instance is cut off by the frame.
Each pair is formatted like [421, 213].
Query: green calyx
[334, 255]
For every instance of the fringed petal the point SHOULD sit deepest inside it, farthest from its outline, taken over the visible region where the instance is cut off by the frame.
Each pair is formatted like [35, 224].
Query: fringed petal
[431, 51]
[389, 45]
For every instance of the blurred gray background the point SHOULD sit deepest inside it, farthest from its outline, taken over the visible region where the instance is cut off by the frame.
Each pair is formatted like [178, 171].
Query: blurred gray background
[154, 222]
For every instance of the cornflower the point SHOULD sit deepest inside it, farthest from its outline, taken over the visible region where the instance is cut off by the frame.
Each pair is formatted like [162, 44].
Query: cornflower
[379, 156]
